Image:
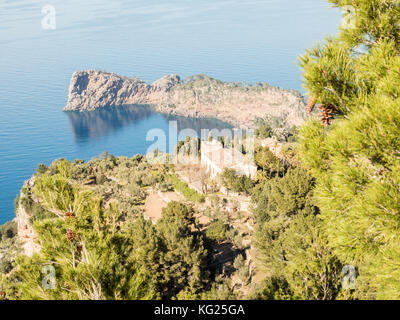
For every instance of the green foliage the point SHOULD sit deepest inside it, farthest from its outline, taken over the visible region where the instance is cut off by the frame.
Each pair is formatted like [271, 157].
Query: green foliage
[217, 231]
[242, 269]
[270, 164]
[94, 258]
[182, 253]
[220, 290]
[78, 162]
[99, 249]
[290, 241]
[33, 209]
[234, 236]
[176, 211]
[189, 147]
[272, 288]
[8, 249]
[376, 20]
[183, 188]
[58, 195]
[16, 203]
[84, 249]
[277, 201]
[263, 131]
[8, 230]
[166, 186]
[237, 183]
[355, 160]
[179, 146]
[310, 268]
[93, 266]
[275, 127]
[41, 168]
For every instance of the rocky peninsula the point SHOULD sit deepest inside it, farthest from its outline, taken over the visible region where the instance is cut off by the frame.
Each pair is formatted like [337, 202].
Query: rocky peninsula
[196, 96]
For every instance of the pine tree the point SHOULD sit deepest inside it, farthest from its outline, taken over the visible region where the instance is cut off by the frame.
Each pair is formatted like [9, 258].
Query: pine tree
[353, 150]
[182, 253]
[277, 202]
[82, 255]
[311, 268]
[290, 241]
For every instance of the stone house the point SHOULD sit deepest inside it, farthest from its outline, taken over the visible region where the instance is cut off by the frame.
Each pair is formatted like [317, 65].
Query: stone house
[215, 158]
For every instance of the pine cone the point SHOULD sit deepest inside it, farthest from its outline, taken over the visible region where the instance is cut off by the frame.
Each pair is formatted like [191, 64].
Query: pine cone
[69, 215]
[79, 247]
[2, 295]
[71, 235]
[311, 104]
[326, 114]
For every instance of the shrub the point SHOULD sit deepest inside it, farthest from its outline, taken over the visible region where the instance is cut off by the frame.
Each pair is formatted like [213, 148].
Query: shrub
[41, 168]
[270, 164]
[101, 179]
[8, 230]
[235, 182]
[78, 161]
[263, 131]
[166, 186]
[242, 269]
[184, 189]
[216, 231]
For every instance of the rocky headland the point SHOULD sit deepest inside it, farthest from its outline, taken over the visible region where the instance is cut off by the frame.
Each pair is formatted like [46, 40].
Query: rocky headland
[197, 96]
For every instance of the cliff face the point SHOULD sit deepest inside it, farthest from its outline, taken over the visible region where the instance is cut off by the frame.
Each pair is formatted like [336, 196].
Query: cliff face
[196, 96]
[26, 236]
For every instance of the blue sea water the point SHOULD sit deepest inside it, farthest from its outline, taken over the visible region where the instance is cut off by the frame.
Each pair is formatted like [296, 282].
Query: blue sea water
[232, 40]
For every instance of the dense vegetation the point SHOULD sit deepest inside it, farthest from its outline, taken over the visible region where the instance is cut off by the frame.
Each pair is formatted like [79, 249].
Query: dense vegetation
[353, 151]
[235, 182]
[8, 246]
[341, 210]
[91, 231]
[290, 242]
[273, 127]
[332, 205]
[94, 237]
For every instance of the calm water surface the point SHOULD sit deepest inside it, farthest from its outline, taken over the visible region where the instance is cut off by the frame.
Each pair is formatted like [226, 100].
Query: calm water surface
[247, 41]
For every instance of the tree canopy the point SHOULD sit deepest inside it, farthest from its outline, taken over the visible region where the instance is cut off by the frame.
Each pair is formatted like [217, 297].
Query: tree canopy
[353, 151]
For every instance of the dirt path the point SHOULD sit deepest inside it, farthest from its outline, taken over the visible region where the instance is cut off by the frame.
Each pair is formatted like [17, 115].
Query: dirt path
[156, 201]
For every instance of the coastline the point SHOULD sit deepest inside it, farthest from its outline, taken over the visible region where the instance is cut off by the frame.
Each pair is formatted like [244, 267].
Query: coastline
[198, 96]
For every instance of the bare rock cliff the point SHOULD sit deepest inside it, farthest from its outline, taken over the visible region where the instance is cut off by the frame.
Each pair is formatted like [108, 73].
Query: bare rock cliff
[196, 96]
[27, 237]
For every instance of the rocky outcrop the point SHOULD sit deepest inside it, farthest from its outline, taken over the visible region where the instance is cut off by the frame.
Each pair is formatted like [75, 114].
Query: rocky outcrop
[27, 237]
[196, 96]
